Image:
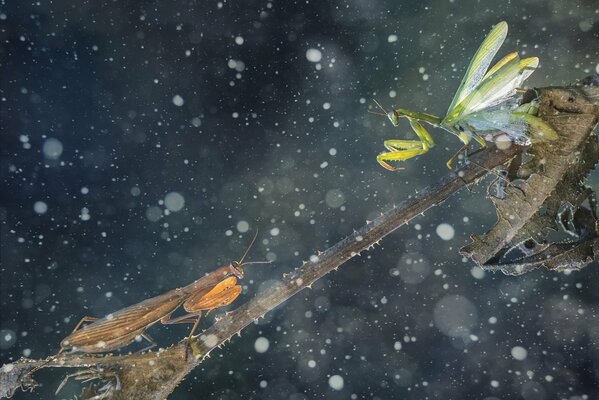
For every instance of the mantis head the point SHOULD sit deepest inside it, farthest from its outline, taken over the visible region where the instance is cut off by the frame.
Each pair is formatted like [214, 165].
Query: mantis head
[237, 269]
[392, 115]
[237, 266]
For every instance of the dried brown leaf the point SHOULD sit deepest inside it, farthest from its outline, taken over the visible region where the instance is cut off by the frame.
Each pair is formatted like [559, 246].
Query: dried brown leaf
[554, 176]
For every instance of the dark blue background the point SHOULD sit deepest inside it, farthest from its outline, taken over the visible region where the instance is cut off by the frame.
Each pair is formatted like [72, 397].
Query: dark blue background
[101, 77]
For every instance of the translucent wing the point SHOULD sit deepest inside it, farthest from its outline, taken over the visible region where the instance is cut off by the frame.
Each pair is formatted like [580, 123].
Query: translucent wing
[479, 63]
[521, 127]
[500, 64]
[497, 88]
[502, 121]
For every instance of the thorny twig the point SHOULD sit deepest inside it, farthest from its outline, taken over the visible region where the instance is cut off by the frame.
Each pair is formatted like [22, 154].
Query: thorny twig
[154, 375]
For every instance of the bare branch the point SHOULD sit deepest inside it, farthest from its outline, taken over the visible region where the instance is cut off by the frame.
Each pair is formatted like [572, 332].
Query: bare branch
[154, 375]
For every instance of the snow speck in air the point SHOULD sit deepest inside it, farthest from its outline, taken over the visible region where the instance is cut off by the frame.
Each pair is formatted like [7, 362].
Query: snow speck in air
[239, 40]
[7, 339]
[412, 271]
[519, 353]
[261, 345]
[334, 198]
[243, 226]
[174, 201]
[178, 100]
[477, 272]
[586, 24]
[237, 65]
[153, 213]
[455, 316]
[445, 231]
[196, 122]
[275, 232]
[336, 382]
[84, 216]
[40, 207]
[313, 55]
[52, 148]
[332, 151]
[392, 38]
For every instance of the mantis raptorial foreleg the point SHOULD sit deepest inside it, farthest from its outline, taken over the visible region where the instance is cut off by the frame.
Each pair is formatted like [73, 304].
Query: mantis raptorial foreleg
[400, 150]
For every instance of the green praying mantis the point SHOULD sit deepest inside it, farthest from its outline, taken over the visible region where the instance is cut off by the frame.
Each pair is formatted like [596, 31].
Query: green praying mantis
[483, 104]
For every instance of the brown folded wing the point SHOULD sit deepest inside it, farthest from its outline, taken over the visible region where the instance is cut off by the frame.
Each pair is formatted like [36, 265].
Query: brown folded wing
[123, 323]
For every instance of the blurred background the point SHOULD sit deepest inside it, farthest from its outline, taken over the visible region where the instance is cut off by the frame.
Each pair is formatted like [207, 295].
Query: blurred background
[143, 143]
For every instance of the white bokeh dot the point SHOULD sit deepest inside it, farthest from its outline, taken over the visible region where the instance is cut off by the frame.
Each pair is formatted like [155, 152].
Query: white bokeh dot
[178, 100]
[174, 201]
[336, 382]
[40, 207]
[261, 345]
[52, 149]
[313, 55]
[519, 353]
[445, 231]
[243, 226]
[455, 315]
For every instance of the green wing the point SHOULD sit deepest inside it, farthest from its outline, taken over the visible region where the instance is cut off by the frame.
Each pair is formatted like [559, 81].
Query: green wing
[479, 63]
[497, 88]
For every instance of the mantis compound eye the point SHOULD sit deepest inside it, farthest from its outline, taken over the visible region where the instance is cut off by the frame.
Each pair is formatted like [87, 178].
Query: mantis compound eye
[237, 269]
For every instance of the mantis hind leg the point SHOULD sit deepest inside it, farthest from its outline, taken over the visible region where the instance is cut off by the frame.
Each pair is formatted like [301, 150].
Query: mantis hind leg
[195, 325]
[450, 162]
[464, 149]
[54, 357]
[149, 339]
[83, 320]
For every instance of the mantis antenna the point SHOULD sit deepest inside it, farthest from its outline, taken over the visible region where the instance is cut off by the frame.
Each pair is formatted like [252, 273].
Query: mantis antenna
[249, 247]
[381, 107]
[247, 251]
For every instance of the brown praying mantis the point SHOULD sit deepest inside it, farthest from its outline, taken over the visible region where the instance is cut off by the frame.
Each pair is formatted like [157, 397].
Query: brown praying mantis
[217, 289]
